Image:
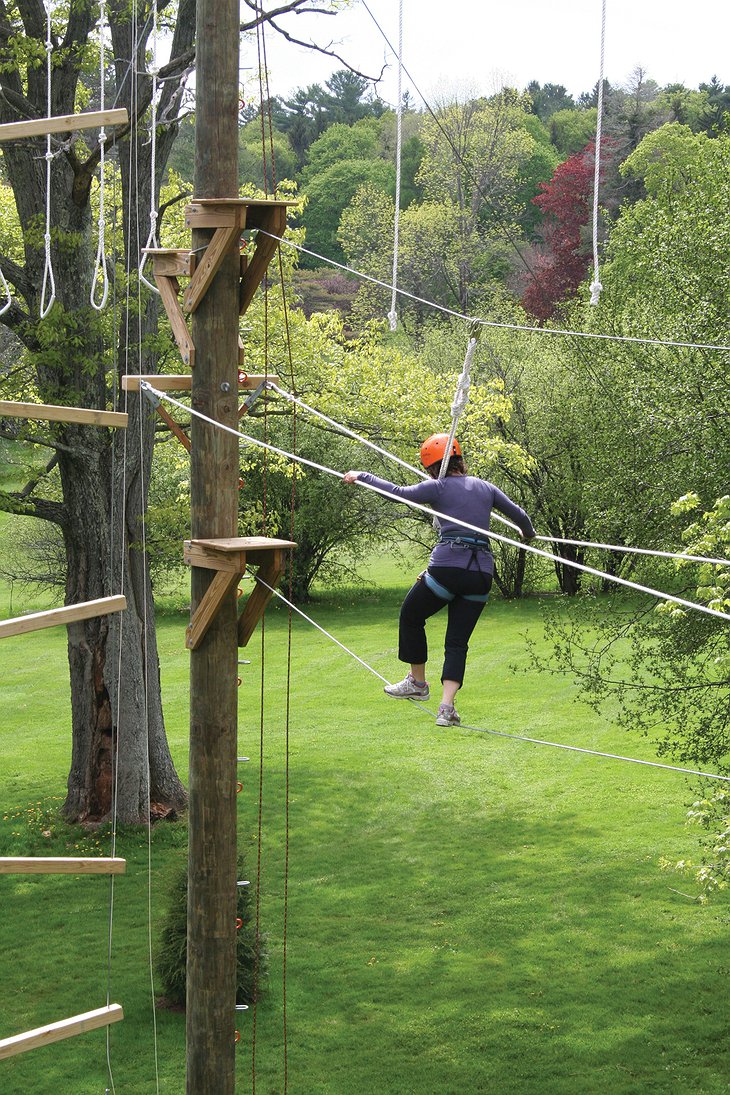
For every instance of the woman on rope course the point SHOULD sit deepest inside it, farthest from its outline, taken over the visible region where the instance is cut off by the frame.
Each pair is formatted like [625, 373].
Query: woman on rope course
[459, 572]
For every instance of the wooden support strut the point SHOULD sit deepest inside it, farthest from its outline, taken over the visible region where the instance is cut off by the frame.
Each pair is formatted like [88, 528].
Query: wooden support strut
[45, 412]
[61, 865]
[228, 557]
[85, 610]
[55, 1032]
[167, 382]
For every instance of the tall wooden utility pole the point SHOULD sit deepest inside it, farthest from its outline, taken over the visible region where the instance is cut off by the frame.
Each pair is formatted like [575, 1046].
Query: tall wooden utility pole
[211, 992]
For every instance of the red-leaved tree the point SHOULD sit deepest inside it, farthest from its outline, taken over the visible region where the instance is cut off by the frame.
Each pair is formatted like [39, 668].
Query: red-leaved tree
[560, 264]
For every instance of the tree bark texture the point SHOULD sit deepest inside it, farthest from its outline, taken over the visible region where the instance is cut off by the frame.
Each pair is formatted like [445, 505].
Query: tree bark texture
[103, 501]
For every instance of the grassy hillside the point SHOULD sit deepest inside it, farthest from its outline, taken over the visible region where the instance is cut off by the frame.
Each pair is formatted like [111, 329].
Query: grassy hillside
[466, 913]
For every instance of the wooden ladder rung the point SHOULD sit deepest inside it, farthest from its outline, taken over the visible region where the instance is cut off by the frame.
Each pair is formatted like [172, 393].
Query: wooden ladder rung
[62, 123]
[167, 382]
[56, 1032]
[61, 865]
[84, 610]
[48, 413]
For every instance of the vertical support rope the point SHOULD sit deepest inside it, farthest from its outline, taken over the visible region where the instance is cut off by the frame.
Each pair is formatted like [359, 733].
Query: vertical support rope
[596, 286]
[392, 314]
[49, 282]
[461, 398]
[152, 237]
[100, 264]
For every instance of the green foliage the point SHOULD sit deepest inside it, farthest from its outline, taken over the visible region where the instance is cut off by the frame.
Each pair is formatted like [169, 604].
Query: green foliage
[171, 956]
[342, 142]
[571, 130]
[330, 192]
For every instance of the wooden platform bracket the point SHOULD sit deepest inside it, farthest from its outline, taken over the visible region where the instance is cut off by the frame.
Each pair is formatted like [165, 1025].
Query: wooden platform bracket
[56, 1032]
[228, 558]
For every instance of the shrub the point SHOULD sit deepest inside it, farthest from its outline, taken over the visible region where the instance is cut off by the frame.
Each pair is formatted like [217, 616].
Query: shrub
[171, 958]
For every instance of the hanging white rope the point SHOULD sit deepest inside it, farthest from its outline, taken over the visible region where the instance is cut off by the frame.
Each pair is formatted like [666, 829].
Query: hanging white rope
[152, 237]
[392, 314]
[461, 397]
[100, 264]
[482, 730]
[8, 297]
[156, 395]
[561, 332]
[680, 556]
[49, 282]
[596, 286]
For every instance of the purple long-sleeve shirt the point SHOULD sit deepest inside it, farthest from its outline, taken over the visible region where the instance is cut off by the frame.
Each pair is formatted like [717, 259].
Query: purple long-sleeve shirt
[461, 498]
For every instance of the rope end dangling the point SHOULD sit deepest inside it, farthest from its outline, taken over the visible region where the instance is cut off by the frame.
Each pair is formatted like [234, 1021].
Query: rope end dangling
[596, 290]
[393, 320]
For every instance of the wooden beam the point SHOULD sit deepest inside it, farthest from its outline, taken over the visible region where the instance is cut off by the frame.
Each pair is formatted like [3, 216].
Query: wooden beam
[169, 290]
[47, 413]
[62, 123]
[168, 382]
[61, 865]
[173, 427]
[272, 567]
[216, 213]
[177, 262]
[223, 241]
[223, 582]
[272, 220]
[56, 1032]
[69, 614]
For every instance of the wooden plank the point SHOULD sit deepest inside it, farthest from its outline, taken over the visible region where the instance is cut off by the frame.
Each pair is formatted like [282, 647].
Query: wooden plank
[84, 610]
[275, 222]
[212, 213]
[169, 289]
[61, 865]
[205, 613]
[244, 543]
[223, 241]
[183, 382]
[62, 123]
[47, 413]
[56, 1032]
[172, 262]
[196, 556]
[272, 567]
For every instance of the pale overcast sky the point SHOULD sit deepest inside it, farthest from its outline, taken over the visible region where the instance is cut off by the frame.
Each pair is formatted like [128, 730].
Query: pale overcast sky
[476, 45]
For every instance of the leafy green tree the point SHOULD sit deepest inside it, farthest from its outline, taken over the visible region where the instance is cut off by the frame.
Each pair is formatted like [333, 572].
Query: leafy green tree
[547, 99]
[331, 191]
[572, 129]
[342, 142]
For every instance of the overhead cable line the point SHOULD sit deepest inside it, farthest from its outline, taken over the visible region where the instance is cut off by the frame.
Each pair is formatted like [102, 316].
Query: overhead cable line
[527, 328]
[681, 556]
[156, 395]
[496, 733]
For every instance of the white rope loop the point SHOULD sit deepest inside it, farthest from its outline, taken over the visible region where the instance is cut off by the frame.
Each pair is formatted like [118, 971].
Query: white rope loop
[49, 281]
[392, 314]
[8, 297]
[100, 263]
[596, 287]
[152, 241]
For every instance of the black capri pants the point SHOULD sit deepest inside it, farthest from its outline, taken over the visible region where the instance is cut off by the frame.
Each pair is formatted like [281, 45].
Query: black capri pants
[421, 603]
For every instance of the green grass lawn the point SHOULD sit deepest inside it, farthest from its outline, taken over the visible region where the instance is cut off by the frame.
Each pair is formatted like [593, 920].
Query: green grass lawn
[466, 913]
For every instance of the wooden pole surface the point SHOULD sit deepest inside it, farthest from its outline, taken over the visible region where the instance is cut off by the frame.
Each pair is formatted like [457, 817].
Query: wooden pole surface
[211, 970]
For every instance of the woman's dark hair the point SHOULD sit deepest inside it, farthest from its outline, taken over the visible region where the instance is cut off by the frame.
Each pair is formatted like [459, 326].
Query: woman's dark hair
[455, 466]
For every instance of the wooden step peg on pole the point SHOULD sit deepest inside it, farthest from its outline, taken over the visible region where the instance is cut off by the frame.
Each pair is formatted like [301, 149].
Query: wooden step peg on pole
[55, 1032]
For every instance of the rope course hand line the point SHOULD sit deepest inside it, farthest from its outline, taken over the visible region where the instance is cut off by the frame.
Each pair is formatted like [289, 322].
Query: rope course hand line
[559, 331]
[498, 733]
[680, 555]
[149, 391]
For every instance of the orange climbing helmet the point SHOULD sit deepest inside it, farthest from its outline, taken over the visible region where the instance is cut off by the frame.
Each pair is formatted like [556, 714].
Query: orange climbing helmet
[434, 447]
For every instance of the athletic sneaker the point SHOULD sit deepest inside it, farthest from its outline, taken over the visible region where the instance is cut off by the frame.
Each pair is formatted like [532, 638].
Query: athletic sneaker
[447, 715]
[408, 688]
